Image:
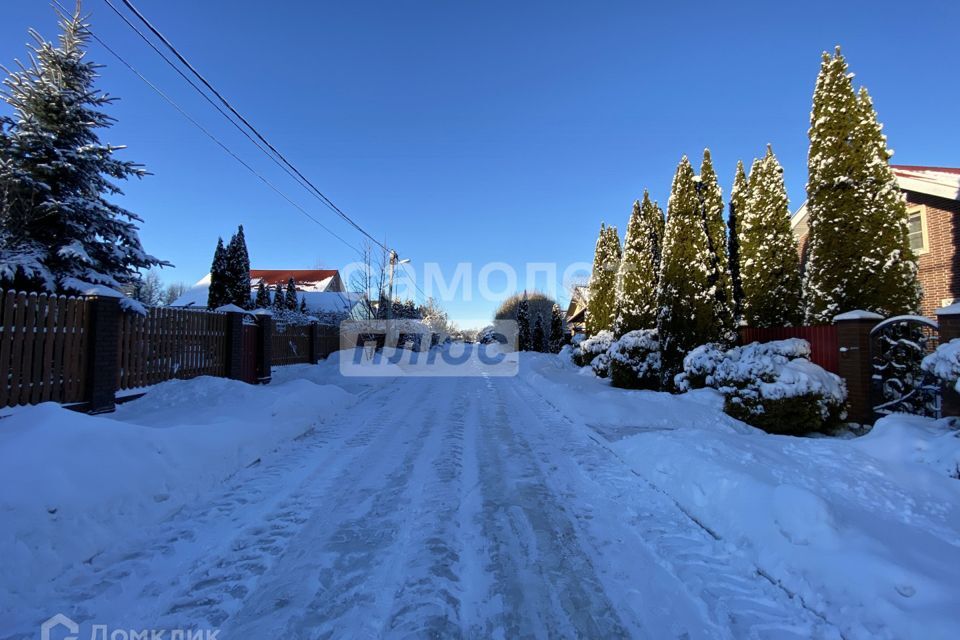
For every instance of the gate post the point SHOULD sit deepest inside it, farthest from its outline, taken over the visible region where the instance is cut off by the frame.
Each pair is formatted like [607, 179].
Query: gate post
[234, 340]
[855, 365]
[264, 347]
[314, 342]
[948, 319]
[103, 345]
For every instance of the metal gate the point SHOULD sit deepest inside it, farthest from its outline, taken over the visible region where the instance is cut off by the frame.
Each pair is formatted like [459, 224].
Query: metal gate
[899, 385]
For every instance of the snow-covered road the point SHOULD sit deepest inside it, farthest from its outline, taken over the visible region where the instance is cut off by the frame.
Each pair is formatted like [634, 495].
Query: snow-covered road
[439, 507]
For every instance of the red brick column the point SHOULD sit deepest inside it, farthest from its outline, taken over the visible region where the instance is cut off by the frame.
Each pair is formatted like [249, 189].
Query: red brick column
[855, 366]
[949, 321]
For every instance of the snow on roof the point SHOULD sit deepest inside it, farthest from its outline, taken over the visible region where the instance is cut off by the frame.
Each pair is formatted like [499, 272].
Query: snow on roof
[943, 182]
[951, 310]
[317, 301]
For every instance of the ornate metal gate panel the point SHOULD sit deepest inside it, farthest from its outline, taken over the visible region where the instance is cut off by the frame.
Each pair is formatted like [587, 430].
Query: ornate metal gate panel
[899, 385]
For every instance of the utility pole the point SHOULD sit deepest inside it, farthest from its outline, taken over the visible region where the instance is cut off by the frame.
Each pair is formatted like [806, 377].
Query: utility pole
[394, 261]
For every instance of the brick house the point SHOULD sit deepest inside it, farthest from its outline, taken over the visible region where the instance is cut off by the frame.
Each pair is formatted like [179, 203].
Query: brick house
[933, 206]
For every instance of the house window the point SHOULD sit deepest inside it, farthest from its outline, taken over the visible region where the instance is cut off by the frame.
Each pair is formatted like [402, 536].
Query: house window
[917, 226]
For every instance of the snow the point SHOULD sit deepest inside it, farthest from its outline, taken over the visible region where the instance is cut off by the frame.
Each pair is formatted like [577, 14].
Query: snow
[951, 310]
[231, 308]
[318, 301]
[547, 504]
[858, 314]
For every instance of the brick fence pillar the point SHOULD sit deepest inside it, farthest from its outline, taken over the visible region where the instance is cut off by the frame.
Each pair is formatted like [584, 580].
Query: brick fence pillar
[314, 343]
[264, 348]
[949, 320]
[234, 339]
[103, 345]
[855, 365]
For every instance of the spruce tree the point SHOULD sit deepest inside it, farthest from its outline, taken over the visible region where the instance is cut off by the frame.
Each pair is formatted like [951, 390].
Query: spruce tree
[601, 306]
[523, 326]
[262, 300]
[290, 297]
[303, 304]
[770, 270]
[636, 291]
[218, 294]
[279, 299]
[686, 317]
[711, 210]
[58, 231]
[556, 329]
[738, 198]
[238, 270]
[858, 247]
[539, 336]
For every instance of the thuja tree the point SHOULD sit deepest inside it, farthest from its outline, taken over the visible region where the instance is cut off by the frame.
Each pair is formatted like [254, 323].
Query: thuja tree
[636, 288]
[58, 230]
[738, 198]
[859, 251]
[770, 262]
[601, 306]
[685, 295]
[711, 210]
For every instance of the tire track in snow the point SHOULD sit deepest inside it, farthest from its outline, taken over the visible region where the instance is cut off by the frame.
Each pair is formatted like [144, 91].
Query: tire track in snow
[737, 596]
[544, 585]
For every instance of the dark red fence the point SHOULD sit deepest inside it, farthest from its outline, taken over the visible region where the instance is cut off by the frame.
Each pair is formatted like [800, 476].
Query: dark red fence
[824, 348]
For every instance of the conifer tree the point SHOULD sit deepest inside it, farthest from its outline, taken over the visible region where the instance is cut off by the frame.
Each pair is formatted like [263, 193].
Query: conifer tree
[859, 254]
[601, 306]
[262, 300]
[218, 295]
[770, 270]
[523, 326]
[539, 337]
[290, 298]
[636, 289]
[711, 209]
[58, 231]
[279, 299]
[686, 317]
[238, 270]
[738, 197]
[303, 304]
[556, 329]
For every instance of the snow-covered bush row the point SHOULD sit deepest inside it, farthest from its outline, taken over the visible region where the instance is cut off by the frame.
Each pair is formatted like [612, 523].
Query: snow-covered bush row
[770, 385]
[589, 348]
[944, 363]
[601, 365]
[634, 360]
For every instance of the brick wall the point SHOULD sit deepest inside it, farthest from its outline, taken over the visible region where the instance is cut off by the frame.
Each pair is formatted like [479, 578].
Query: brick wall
[940, 266]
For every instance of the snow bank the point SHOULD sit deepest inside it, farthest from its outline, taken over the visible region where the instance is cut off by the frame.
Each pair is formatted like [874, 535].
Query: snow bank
[865, 530]
[92, 478]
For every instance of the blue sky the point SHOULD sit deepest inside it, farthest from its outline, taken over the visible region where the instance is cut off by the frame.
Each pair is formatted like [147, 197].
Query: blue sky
[491, 131]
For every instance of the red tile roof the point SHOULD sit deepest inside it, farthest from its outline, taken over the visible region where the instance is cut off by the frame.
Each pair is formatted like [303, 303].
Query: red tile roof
[282, 276]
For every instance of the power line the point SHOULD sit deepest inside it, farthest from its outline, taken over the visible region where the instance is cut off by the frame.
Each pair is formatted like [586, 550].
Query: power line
[223, 146]
[226, 103]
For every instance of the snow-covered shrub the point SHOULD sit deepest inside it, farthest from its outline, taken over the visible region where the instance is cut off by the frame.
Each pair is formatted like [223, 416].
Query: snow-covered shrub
[601, 364]
[773, 386]
[635, 360]
[944, 363]
[591, 347]
[698, 367]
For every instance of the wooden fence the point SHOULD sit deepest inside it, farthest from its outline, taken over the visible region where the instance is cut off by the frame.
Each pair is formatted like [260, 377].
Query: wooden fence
[77, 350]
[291, 344]
[824, 344]
[297, 344]
[43, 348]
[170, 343]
